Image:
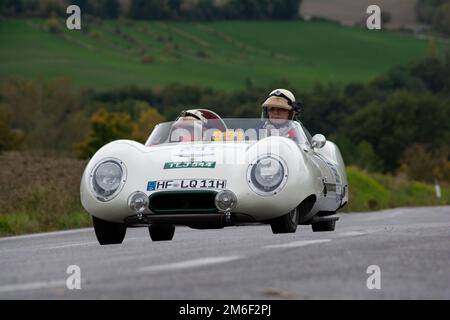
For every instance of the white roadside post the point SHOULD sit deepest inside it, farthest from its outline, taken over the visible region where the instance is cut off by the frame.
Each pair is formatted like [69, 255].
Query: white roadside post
[437, 188]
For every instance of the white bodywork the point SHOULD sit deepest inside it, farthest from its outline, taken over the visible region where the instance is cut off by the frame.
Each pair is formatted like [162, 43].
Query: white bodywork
[310, 172]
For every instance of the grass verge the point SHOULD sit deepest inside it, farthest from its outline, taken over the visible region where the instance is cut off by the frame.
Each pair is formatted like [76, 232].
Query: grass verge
[368, 192]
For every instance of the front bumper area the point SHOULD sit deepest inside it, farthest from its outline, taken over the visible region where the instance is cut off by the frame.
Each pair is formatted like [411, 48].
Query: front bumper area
[195, 220]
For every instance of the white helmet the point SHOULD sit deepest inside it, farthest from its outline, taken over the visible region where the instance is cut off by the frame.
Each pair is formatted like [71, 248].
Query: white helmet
[189, 115]
[283, 93]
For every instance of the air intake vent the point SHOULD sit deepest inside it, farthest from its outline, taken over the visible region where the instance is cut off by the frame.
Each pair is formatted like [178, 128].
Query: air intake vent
[197, 201]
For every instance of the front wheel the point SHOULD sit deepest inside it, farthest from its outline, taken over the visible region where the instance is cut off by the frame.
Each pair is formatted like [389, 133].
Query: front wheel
[109, 232]
[324, 226]
[161, 232]
[285, 224]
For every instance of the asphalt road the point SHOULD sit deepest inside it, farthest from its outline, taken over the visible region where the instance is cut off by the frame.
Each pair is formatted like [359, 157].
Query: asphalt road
[410, 246]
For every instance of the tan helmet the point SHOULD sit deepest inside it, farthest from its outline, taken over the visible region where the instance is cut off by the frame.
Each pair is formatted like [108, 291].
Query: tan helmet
[280, 98]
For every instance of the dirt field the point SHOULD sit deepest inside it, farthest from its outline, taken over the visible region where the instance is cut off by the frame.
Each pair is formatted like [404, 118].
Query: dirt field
[350, 12]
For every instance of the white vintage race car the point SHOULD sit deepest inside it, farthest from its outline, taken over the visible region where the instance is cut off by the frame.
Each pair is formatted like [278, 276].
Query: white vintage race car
[225, 172]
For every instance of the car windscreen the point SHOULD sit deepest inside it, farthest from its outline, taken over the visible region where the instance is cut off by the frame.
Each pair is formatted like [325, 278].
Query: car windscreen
[224, 130]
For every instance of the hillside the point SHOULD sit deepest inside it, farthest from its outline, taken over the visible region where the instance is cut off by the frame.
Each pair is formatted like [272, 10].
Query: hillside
[223, 55]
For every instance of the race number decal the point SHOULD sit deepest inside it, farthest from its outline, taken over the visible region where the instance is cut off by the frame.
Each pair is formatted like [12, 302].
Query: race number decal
[190, 164]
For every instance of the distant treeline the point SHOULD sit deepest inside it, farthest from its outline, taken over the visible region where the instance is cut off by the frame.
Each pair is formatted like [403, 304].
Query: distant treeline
[159, 9]
[435, 13]
[398, 121]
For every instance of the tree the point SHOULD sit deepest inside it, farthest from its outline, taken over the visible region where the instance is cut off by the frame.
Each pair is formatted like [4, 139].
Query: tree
[51, 8]
[133, 107]
[367, 159]
[178, 94]
[11, 7]
[126, 93]
[432, 72]
[435, 13]
[104, 128]
[108, 9]
[50, 113]
[442, 19]
[150, 9]
[85, 5]
[420, 162]
[147, 121]
[285, 9]
[404, 118]
[210, 10]
[325, 106]
[245, 9]
[9, 139]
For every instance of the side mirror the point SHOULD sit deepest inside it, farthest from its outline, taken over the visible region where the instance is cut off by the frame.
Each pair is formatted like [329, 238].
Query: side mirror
[318, 141]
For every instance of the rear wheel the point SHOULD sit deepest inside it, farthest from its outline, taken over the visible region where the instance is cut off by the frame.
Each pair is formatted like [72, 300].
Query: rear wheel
[109, 232]
[161, 232]
[285, 224]
[324, 226]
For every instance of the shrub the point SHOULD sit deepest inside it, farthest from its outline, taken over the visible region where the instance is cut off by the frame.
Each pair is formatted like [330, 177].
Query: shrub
[104, 128]
[147, 59]
[421, 162]
[54, 25]
[9, 139]
[147, 121]
[96, 35]
[51, 113]
[201, 54]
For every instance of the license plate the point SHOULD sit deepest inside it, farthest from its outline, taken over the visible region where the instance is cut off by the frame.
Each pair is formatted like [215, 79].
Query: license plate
[186, 184]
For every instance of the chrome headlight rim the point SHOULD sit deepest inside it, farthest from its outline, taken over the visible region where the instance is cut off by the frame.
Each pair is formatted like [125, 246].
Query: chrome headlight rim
[254, 186]
[116, 161]
[219, 203]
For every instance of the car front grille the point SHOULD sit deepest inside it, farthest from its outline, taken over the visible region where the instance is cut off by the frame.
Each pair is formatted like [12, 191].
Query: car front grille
[170, 202]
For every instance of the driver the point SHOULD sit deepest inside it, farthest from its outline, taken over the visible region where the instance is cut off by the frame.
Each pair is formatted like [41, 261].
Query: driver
[280, 109]
[188, 126]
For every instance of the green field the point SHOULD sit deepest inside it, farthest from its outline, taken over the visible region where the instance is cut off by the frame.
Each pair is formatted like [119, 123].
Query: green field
[222, 55]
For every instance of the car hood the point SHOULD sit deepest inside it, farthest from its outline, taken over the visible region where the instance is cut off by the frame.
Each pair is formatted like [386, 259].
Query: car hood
[183, 152]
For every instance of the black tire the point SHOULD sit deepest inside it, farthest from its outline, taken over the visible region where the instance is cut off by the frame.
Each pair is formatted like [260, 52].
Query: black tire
[161, 232]
[324, 226]
[109, 232]
[285, 224]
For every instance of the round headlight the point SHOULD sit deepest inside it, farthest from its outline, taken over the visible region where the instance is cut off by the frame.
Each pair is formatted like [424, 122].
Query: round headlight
[107, 177]
[267, 174]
